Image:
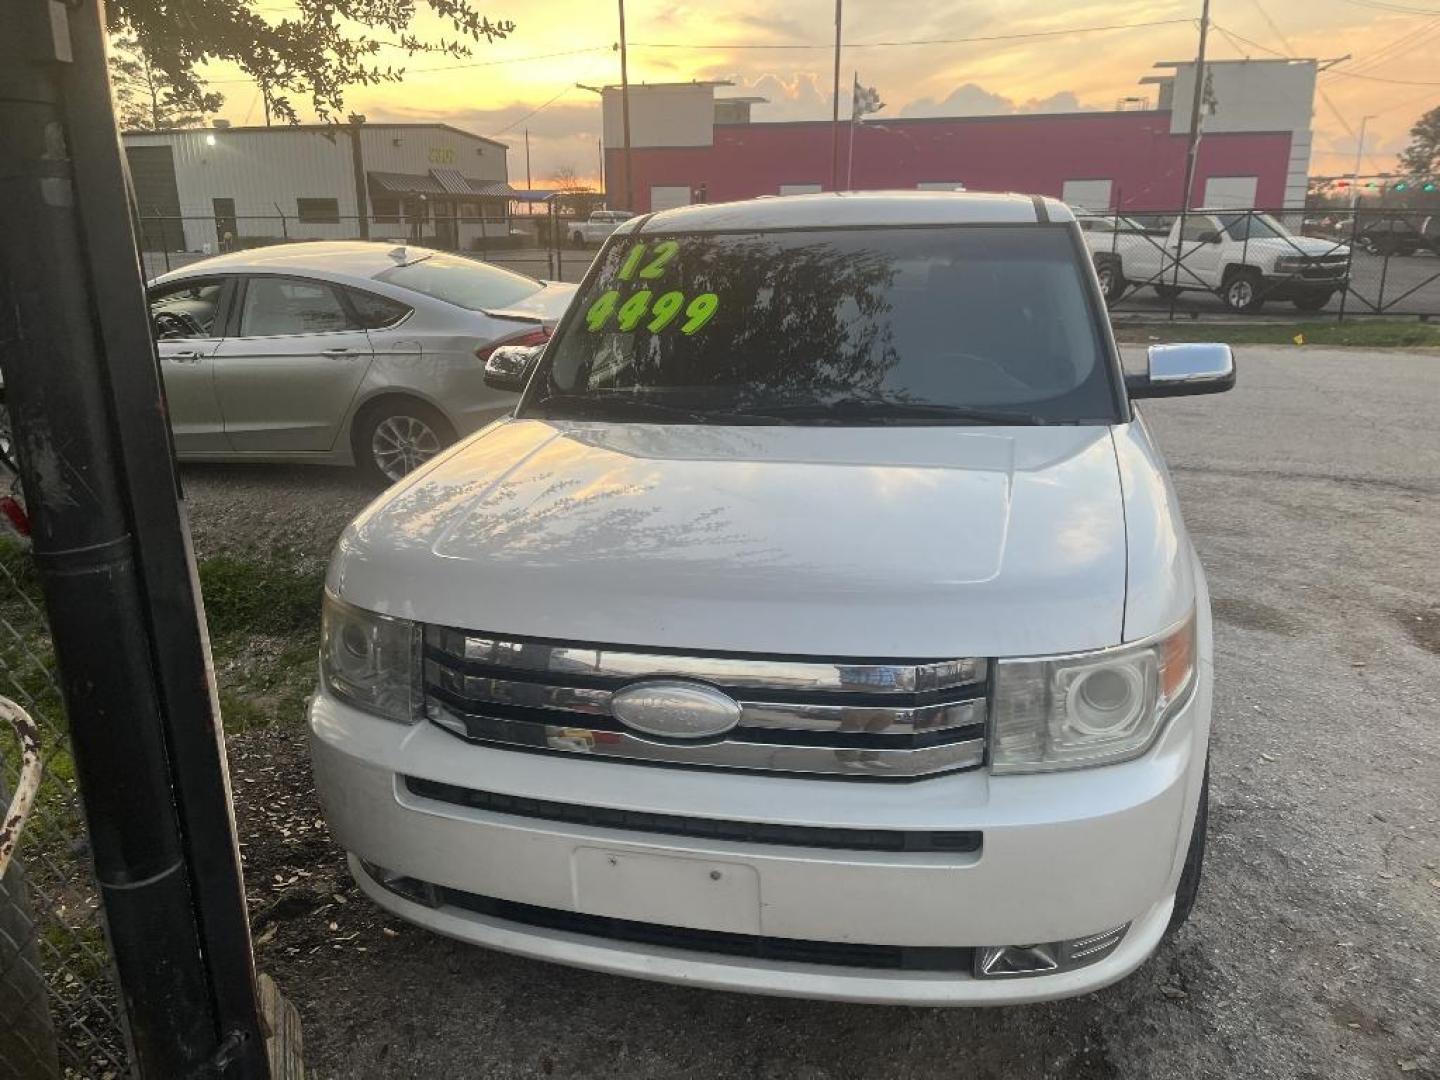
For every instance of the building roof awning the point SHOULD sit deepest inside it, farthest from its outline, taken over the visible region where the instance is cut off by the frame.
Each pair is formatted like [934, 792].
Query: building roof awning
[451, 182]
[404, 184]
[438, 182]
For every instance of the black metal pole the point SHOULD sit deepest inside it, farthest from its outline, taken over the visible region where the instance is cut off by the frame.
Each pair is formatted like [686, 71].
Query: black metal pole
[357, 166]
[625, 113]
[112, 548]
[1192, 149]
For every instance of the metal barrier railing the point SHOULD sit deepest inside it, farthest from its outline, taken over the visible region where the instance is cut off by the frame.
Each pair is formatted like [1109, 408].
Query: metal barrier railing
[1357, 261]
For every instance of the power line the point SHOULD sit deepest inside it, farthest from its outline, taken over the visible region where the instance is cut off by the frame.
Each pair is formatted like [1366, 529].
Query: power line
[917, 41]
[1377, 78]
[1399, 9]
[456, 67]
[539, 108]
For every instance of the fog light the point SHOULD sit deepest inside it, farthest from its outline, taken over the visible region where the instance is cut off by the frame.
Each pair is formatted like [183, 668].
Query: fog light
[420, 892]
[1046, 958]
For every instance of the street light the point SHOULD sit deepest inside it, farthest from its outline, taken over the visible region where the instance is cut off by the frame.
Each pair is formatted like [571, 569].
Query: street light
[1359, 152]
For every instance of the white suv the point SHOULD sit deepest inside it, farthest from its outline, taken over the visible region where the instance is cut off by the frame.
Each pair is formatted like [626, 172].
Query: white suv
[822, 623]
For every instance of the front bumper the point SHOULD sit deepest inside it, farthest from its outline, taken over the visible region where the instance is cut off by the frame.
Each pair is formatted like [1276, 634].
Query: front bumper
[1063, 856]
[1303, 283]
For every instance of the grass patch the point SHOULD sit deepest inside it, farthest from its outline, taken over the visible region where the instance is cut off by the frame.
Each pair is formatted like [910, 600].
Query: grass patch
[259, 596]
[264, 621]
[1356, 333]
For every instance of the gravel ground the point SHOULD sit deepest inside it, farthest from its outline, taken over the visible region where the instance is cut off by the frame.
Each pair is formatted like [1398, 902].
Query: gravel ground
[1313, 494]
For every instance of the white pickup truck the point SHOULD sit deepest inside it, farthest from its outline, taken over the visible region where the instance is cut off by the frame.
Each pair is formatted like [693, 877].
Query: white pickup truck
[597, 227]
[1243, 257]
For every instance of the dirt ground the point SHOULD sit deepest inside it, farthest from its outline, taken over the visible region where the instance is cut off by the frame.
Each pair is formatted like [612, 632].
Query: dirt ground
[1313, 495]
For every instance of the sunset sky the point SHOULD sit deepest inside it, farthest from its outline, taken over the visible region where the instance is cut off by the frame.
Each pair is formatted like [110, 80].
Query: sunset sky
[1388, 39]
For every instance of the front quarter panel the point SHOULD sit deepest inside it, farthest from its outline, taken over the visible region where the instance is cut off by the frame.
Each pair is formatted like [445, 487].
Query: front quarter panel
[1160, 571]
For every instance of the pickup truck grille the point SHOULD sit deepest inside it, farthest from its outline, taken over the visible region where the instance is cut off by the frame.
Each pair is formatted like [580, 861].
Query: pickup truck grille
[872, 720]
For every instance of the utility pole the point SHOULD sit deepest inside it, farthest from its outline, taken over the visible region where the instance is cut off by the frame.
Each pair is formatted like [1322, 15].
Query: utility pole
[625, 114]
[1359, 153]
[835, 115]
[357, 167]
[854, 119]
[1197, 99]
[111, 549]
[527, 159]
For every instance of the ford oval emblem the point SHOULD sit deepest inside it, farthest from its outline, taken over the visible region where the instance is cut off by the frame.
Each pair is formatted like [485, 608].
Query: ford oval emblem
[675, 710]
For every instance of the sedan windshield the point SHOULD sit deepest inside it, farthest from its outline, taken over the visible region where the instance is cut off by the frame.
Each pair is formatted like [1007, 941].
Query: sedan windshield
[950, 324]
[463, 282]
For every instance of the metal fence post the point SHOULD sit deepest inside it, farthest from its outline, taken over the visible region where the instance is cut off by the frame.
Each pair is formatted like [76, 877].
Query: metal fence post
[1350, 257]
[110, 543]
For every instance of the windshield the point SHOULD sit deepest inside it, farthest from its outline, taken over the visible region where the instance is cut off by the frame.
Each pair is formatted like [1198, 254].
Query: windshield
[958, 324]
[462, 282]
[1252, 226]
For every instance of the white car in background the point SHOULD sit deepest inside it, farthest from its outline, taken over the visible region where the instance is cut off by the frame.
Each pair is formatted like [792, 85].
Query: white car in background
[351, 353]
[597, 227]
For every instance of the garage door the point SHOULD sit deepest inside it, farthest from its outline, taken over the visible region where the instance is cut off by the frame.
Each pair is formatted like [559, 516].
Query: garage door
[152, 173]
[666, 197]
[1086, 194]
[1230, 192]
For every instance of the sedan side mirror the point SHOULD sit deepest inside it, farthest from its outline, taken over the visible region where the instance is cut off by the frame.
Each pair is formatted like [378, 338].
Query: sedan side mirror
[508, 367]
[1209, 236]
[1178, 370]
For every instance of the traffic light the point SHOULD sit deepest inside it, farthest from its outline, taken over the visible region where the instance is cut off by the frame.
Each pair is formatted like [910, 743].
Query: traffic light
[1402, 185]
[1429, 185]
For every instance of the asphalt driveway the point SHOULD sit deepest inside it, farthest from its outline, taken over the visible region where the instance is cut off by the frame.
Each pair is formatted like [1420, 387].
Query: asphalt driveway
[1313, 494]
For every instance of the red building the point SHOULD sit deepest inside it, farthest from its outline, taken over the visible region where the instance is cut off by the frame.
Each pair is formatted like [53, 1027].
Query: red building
[689, 146]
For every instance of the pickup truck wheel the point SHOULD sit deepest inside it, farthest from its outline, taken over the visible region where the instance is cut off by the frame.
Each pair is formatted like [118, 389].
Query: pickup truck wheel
[1189, 887]
[1312, 301]
[1166, 292]
[396, 436]
[1242, 292]
[1112, 280]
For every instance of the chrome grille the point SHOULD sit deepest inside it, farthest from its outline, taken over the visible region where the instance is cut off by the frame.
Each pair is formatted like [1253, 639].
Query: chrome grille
[862, 720]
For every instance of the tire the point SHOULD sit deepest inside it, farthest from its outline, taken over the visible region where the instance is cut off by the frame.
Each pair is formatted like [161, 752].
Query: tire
[1243, 292]
[1166, 292]
[396, 435]
[1312, 301]
[1189, 887]
[1112, 280]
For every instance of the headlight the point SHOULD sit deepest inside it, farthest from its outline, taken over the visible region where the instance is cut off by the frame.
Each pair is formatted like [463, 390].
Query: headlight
[1289, 264]
[370, 660]
[1096, 708]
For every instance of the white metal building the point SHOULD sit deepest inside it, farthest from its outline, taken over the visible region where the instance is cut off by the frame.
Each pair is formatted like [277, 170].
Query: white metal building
[212, 189]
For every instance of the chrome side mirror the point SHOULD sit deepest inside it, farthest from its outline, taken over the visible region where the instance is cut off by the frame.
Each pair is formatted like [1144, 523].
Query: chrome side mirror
[508, 367]
[1177, 370]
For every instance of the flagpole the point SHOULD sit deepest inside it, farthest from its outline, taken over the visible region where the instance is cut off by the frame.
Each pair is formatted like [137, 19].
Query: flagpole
[835, 115]
[850, 161]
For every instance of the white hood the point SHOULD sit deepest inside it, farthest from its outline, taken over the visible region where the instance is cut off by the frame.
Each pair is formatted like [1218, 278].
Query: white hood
[918, 542]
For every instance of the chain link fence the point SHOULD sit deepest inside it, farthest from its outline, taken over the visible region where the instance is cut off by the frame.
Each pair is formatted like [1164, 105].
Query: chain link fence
[60, 1015]
[549, 246]
[1335, 263]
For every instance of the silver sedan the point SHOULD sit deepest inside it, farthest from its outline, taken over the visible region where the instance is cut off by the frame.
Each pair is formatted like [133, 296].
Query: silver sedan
[339, 353]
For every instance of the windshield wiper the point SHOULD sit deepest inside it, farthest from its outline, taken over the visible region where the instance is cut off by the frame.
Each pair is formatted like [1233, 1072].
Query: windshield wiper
[885, 411]
[628, 407]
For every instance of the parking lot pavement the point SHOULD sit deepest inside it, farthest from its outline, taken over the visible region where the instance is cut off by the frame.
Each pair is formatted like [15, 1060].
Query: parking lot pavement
[1313, 495]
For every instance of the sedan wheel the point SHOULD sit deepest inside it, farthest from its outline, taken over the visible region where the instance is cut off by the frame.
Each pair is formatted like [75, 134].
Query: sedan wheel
[395, 440]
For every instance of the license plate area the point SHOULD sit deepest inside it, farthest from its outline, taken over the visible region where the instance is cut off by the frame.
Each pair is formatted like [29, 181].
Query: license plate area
[672, 890]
